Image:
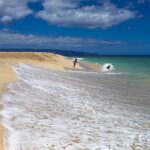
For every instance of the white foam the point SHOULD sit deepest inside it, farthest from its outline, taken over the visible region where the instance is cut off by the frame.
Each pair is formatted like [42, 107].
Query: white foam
[80, 58]
[113, 73]
[104, 67]
[11, 136]
[53, 110]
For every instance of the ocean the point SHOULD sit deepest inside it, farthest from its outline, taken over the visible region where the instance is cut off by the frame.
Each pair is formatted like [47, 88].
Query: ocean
[80, 110]
[138, 66]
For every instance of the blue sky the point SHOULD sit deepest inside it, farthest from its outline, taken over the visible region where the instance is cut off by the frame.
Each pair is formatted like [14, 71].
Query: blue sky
[102, 26]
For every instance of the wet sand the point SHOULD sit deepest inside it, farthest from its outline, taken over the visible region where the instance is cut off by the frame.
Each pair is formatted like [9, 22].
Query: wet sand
[89, 66]
[6, 75]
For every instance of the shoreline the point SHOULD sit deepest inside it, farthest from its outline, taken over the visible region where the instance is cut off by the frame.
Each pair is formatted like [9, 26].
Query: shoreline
[90, 66]
[44, 60]
[7, 75]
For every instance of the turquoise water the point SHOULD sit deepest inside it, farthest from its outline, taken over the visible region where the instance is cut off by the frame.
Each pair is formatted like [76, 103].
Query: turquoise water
[136, 66]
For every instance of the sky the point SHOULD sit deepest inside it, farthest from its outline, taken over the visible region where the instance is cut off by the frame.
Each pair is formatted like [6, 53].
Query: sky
[107, 27]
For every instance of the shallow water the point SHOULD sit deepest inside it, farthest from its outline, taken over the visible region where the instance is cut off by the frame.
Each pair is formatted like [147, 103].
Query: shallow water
[76, 110]
[138, 66]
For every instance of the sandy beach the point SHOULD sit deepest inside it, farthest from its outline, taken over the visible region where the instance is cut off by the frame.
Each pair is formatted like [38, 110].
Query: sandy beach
[48, 104]
[7, 74]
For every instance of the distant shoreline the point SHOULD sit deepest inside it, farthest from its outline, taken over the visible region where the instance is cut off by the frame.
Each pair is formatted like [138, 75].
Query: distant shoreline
[68, 53]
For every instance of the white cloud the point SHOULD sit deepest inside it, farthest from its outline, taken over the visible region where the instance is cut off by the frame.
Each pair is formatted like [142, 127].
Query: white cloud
[68, 12]
[13, 9]
[71, 13]
[13, 39]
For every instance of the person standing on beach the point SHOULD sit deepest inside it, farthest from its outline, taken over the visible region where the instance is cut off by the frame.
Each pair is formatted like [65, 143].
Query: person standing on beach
[75, 62]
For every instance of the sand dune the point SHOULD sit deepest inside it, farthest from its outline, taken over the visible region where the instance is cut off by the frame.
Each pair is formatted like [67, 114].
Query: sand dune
[47, 60]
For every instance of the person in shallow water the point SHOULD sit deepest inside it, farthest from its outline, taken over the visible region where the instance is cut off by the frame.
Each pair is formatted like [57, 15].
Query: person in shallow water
[108, 67]
[75, 62]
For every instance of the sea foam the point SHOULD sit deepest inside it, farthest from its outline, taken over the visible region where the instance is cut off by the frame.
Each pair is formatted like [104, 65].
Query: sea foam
[69, 110]
[106, 65]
